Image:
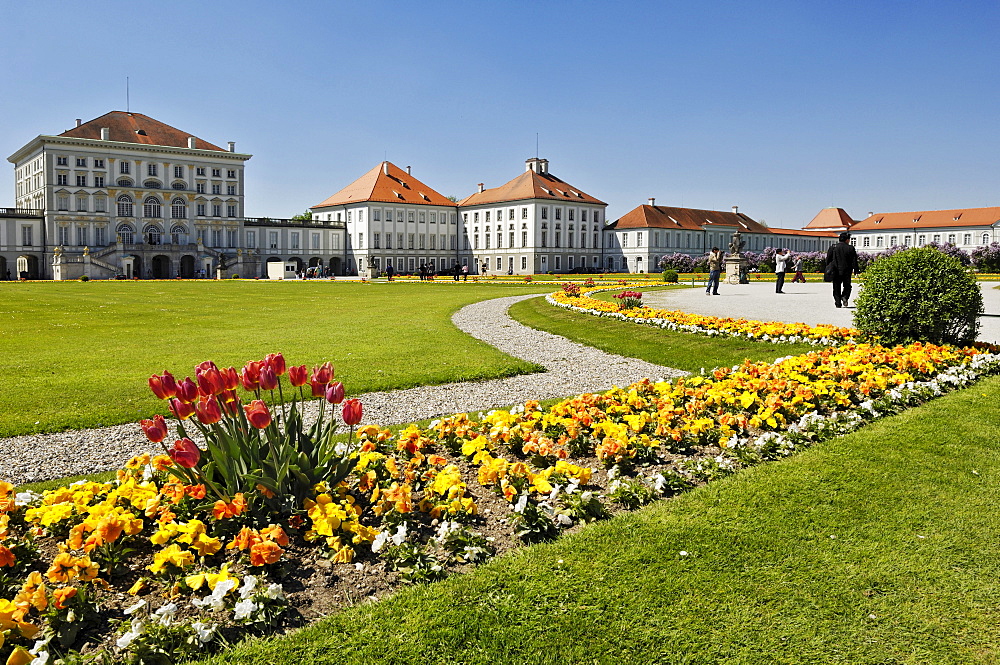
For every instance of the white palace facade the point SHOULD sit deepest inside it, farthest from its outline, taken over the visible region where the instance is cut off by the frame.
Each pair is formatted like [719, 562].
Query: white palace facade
[126, 195]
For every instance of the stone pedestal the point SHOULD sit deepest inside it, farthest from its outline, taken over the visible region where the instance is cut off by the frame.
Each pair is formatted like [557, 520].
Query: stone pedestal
[736, 270]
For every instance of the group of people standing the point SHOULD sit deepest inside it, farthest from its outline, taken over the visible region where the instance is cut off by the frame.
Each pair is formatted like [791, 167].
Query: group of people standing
[841, 264]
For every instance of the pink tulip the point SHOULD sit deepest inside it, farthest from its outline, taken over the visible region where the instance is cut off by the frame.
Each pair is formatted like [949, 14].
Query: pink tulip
[318, 389]
[323, 373]
[275, 361]
[335, 393]
[185, 453]
[351, 412]
[155, 429]
[163, 385]
[187, 390]
[268, 378]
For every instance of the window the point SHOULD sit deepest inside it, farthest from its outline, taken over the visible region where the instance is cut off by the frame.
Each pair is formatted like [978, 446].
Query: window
[361, 240]
[524, 263]
[866, 241]
[433, 241]
[388, 240]
[986, 238]
[100, 204]
[399, 238]
[583, 215]
[524, 238]
[230, 173]
[921, 240]
[951, 238]
[486, 236]
[231, 190]
[126, 233]
[216, 189]
[272, 239]
[558, 213]
[545, 212]
[625, 240]
[216, 237]
[544, 238]
[200, 188]
[878, 241]
[98, 181]
[558, 264]
[892, 241]
[81, 161]
[153, 234]
[216, 210]
[151, 207]
[638, 242]
[124, 167]
[524, 215]
[151, 184]
[81, 181]
[937, 238]
[81, 203]
[178, 234]
[216, 173]
[26, 236]
[510, 238]
[499, 263]
[62, 179]
[100, 237]
[558, 242]
[570, 212]
[377, 217]
[967, 239]
[420, 217]
[232, 235]
[125, 206]
[906, 241]
[251, 239]
[409, 216]
[376, 241]
[61, 161]
[200, 210]
[98, 163]
[178, 209]
[231, 210]
[178, 171]
[63, 238]
[475, 241]
[200, 170]
[409, 244]
[388, 215]
[151, 169]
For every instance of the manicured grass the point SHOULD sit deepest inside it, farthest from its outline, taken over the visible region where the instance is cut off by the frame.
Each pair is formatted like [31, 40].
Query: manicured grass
[877, 547]
[655, 345]
[78, 354]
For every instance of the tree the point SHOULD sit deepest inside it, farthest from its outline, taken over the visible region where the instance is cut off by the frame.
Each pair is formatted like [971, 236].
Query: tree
[304, 217]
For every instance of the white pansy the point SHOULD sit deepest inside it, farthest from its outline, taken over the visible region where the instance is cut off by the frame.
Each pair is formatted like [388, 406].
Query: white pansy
[41, 659]
[380, 541]
[554, 494]
[132, 609]
[243, 609]
[400, 535]
[166, 613]
[522, 502]
[135, 631]
[274, 592]
[249, 585]
[564, 519]
[22, 499]
[203, 632]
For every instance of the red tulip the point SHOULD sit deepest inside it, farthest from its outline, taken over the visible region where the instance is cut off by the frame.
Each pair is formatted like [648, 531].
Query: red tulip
[335, 393]
[257, 414]
[210, 381]
[298, 376]
[155, 429]
[230, 402]
[185, 453]
[268, 379]
[318, 389]
[250, 379]
[230, 378]
[163, 385]
[183, 410]
[208, 364]
[275, 361]
[187, 390]
[208, 410]
[323, 373]
[351, 412]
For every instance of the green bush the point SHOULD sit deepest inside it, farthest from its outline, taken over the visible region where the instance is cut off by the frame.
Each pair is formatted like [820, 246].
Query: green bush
[84, 278]
[919, 294]
[236, 275]
[670, 276]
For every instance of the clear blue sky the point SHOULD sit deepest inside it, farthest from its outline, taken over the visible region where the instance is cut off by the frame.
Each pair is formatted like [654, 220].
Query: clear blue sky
[782, 108]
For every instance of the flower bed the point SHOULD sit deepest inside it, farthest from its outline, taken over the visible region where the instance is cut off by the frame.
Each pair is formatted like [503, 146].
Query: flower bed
[772, 331]
[275, 522]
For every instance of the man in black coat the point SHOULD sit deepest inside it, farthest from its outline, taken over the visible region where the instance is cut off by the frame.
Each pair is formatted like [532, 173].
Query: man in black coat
[843, 259]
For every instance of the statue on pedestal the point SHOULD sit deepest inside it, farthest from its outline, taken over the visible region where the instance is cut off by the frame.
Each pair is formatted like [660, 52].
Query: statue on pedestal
[737, 244]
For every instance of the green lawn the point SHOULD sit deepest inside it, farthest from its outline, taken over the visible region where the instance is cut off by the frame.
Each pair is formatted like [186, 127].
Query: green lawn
[78, 354]
[877, 547]
[656, 345]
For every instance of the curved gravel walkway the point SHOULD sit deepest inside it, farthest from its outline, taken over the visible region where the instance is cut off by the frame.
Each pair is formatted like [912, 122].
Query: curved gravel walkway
[571, 369]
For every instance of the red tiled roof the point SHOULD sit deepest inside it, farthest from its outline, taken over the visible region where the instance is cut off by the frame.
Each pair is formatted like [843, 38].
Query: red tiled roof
[929, 218]
[136, 128]
[396, 187]
[647, 216]
[810, 233]
[531, 185]
[831, 218]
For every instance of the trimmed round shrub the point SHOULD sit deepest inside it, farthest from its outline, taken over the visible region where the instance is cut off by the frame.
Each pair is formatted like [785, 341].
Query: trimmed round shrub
[670, 276]
[919, 295]
[236, 275]
[84, 278]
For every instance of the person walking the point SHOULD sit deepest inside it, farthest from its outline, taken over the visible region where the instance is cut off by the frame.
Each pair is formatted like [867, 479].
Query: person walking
[389, 272]
[465, 272]
[714, 270]
[797, 267]
[841, 263]
[780, 260]
[456, 271]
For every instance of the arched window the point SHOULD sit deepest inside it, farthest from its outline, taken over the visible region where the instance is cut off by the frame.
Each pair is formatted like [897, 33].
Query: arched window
[152, 184]
[126, 233]
[986, 239]
[151, 207]
[153, 233]
[178, 185]
[178, 235]
[124, 182]
[125, 206]
[178, 209]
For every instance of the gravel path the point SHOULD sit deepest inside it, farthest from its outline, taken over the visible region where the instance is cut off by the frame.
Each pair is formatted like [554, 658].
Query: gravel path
[571, 369]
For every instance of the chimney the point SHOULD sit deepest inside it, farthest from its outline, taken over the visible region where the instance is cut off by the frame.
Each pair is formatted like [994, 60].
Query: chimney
[385, 168]
[191, 142]
[870, 213]
[105, 133]
[481, 187]
[407, 170]
[79, 122]
[232, 146]
[736, 210]
[652, 201]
